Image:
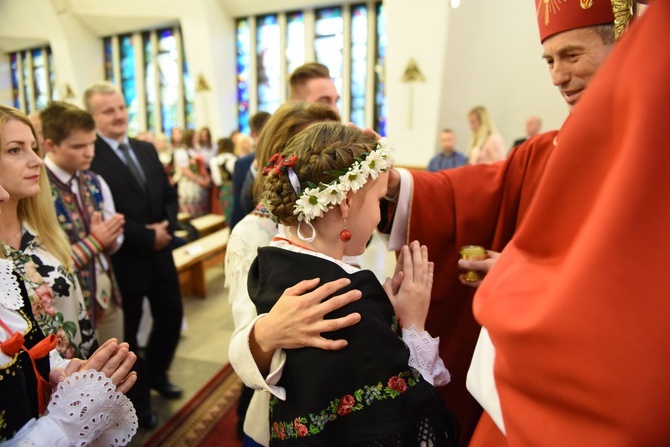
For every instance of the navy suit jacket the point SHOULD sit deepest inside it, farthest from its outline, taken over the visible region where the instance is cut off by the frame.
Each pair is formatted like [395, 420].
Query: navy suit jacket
[242, 166]
[136, 260]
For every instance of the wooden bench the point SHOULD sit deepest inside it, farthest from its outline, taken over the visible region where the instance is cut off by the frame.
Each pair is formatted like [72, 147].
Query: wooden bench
[208, 223]
[184, 217]
[195, 257]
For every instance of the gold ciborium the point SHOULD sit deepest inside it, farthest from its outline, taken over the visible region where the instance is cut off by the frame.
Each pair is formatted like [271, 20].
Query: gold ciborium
[473, 253]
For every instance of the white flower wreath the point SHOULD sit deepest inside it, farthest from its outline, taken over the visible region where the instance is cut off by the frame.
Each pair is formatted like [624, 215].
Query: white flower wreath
[317, 199]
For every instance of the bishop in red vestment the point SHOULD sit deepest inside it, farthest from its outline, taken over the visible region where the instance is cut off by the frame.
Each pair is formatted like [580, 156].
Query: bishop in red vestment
[576, 306]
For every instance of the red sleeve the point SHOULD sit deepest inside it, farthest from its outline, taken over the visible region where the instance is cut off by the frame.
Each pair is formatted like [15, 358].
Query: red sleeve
[472, 205]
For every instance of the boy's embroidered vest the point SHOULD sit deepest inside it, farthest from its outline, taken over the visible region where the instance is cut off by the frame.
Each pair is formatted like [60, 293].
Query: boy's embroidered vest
[76, 222]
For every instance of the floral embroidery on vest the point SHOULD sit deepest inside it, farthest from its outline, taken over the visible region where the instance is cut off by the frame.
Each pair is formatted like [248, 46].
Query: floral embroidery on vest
[314, 423]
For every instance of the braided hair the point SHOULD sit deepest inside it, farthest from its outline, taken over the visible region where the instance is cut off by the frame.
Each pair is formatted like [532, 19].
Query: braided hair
[320, 148]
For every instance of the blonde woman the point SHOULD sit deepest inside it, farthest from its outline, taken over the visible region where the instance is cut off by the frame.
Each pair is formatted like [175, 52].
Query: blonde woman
[486, 145]
[32, 238]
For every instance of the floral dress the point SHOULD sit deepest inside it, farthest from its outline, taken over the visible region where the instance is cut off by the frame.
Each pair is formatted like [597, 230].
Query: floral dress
[193, 198]
[55, 296]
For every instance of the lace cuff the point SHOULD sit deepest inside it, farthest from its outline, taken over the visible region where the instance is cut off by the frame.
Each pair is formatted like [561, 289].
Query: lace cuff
[88, 408]
[425, 356]
[11, 299]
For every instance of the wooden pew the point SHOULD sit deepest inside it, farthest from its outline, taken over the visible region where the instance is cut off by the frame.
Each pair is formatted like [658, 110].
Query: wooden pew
[208, 223]
[194, 258]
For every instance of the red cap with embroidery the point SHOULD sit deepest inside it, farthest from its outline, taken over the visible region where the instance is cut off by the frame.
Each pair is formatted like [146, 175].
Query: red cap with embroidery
[557, 16]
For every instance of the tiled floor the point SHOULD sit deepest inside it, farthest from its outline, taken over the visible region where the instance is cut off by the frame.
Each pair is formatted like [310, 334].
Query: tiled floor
[203, 349]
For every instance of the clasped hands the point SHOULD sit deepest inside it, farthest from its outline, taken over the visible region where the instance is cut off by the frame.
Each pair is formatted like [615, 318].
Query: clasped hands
[112, 359]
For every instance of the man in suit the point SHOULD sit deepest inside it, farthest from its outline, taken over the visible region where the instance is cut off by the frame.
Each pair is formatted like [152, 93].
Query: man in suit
[144, 264]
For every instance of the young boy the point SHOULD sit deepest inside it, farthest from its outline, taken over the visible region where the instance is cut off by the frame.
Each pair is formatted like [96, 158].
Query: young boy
[86, 212]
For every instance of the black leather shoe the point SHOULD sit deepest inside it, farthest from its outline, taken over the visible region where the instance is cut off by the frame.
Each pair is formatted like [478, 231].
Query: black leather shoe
[168, 390]
[147, 419]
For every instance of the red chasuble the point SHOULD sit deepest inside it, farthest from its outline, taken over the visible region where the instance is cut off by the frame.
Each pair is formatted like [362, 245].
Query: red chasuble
[481, 205]
[578, 306]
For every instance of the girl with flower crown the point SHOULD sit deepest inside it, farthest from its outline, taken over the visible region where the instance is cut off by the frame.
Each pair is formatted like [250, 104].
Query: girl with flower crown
[324, 190]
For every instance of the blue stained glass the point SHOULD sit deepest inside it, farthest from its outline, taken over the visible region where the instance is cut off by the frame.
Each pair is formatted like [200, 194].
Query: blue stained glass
[40, 79]
[27, 85]
[14, 62]
[243, 54]
[52, 75]
[329, 42]
[149, 82]
[359, 65]
[109, 59]
[380, 78]
[189, 93]
[168, 72]
[295, 41]
[268, 68]
[128, 86]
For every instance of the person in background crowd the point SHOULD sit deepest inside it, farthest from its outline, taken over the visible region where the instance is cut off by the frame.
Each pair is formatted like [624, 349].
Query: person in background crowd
[486, 145]
[244, 145]
[448, 157]
[191, 177]
[34, 118]
[206, 145]
[33, 240]
[165, 154]
[86, 212]
[243, 204]
[311, 82]
[147, 136]
[144, 265]
[533, 127]
[222, 167]
[176, 138]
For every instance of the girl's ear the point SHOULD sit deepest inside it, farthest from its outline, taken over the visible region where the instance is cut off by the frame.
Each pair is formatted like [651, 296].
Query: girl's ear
[345, 206]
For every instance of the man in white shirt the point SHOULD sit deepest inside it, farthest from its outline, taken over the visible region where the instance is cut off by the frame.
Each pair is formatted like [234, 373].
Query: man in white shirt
[86, 212]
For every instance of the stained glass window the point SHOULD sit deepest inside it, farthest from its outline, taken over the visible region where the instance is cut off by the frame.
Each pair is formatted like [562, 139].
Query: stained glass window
[268, 67]
[40, 78]
[243, 51]
[27, 85]
[149, 81]
[380, 73]
[128, 86]
[52, 75]
[329, 42]
[109, 59]
[359, 64]
[189, 93]
[168, 72]
[14, 61]
[295, 41]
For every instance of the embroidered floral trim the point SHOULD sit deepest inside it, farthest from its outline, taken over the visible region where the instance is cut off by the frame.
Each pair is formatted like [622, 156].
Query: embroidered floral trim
[11, 296]
[317, 199]
[314, 423]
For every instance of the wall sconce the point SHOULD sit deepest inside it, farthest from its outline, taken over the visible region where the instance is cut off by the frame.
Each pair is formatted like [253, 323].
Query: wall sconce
[201, 85]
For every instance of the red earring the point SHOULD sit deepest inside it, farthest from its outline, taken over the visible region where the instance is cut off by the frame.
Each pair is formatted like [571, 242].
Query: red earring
[345, 235]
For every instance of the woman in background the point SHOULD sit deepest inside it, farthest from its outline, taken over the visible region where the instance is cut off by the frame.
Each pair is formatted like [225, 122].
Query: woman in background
[192, 178]
[206, 145]
[486, 145]
[221, 167]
